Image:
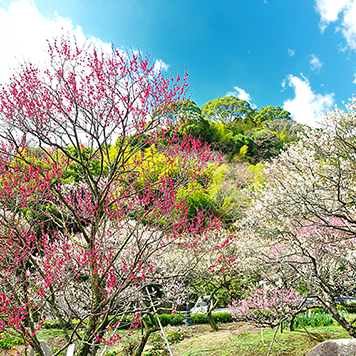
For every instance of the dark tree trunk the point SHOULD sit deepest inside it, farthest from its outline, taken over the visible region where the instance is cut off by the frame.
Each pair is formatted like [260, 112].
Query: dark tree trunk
[146, 332]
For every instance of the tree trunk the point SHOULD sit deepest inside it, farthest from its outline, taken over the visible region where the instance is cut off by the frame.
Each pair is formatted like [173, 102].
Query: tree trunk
[88, 343]
[147, 331]
[291, 326]
[342, 321]
[212, 322]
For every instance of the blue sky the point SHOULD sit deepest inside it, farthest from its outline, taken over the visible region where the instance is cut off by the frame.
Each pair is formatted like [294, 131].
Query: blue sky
[298, 54]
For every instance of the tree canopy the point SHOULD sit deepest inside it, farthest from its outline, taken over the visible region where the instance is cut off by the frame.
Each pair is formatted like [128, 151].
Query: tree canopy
[89, 226]
[302, 220]
[226, 110]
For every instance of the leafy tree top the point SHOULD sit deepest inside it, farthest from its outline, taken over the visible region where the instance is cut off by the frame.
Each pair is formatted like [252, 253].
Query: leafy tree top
[271, 113]
[227, 109]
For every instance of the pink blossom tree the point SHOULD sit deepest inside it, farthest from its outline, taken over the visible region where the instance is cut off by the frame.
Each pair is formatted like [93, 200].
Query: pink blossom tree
[266, 306]
[91, 249]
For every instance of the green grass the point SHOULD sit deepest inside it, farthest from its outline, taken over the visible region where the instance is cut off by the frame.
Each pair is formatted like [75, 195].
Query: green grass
[288, 343]
[233, 339]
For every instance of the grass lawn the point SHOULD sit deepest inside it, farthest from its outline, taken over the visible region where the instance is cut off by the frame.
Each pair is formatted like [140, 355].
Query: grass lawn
[247, 341]
[240, 339]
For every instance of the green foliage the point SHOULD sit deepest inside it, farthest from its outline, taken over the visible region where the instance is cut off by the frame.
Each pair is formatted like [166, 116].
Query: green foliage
[174, 336]
[234, 289]
[177, 319]
[258, 181]
[166, 319]
[286, 130]
[320, 317]
[171, 319]
[271, 113]
[350, 308]
[231, 126]
[230, 141]
[222, 317]
[316, 318]
[268, 144]
[189, 115]
[157, 350]
[227, 110]
[156, 165]
[89, 157]
[243, 153]
[218, 318]
[198, 197]
[51, 325]
[7, 341]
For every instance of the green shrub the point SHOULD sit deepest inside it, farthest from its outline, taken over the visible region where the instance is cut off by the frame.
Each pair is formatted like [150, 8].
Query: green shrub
[7, 342]
[199, 319]
[176, 319]
[157, 350]
[171, 319]
[315, 319]
[175, 336]
[166, 319]
[218, 317]
[351, 307]
[222, 317]
[51, 325]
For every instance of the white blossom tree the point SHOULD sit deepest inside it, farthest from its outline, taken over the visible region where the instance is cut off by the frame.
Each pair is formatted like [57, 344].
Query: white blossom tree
[301, 227]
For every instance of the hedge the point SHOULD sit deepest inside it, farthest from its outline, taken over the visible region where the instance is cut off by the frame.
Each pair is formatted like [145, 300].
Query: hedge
[166, 319]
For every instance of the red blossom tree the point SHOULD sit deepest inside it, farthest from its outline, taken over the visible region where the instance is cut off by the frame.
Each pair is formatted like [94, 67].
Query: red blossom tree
[91, 250]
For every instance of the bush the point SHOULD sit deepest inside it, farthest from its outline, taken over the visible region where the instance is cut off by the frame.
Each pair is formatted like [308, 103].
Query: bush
[166, 319]
[157, 350]
[317, 318]
[218, 317]
[171, 319]
[222, 317]
[175, 336]
[7, 342]
[52, 325]
[351, 308]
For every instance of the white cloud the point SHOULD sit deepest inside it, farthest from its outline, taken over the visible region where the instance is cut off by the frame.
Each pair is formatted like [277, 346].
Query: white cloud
[329, 9]
[241, 94]
[344, 10]
[307, 107]
[349, 25]
[160, 66]
[283, 83]
[315, 63]
[291, 52]
[24, 33]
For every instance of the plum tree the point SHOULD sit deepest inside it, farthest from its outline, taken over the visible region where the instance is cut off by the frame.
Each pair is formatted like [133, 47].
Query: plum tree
[109, 236]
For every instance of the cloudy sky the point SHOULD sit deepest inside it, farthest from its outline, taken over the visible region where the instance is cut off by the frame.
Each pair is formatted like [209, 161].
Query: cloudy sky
[300, 55]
